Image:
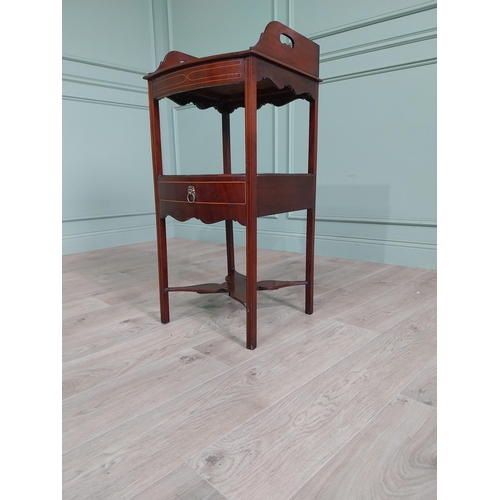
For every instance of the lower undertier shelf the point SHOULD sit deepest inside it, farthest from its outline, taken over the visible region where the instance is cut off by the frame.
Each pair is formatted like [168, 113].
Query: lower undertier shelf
[235, 285]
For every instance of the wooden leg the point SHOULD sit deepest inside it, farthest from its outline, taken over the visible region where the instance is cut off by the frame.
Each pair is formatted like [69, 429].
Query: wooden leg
[161, 235]
[230, 246]
[312, 160]
[310, 262]
[161, 230]
[226, 158]
[251, 191]
[251, 295]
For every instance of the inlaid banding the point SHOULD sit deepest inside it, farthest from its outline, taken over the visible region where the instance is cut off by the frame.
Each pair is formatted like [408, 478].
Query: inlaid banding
[208, 74]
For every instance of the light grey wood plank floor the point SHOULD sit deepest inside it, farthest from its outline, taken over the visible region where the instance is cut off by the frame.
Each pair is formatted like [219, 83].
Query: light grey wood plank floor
[424, 387]
[95, 410]
[183, 410]
[316, 420]
[182, 484]
[392, 457]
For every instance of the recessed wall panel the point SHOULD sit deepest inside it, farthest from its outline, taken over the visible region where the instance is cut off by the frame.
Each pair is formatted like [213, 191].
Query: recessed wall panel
[106, 160]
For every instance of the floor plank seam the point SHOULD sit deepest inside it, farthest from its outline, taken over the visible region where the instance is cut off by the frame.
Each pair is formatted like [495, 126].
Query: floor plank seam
[381, 295]
[144, 412]
[140, 367]
[425, 304]
[155, 331]
[367, 423]
[404, 396]
[389, 266]
[97, 353]
[164, 475]
[207, 481]
[358, 279]
[342, 447]
[89, 329]
[424, 368]
[319, 325]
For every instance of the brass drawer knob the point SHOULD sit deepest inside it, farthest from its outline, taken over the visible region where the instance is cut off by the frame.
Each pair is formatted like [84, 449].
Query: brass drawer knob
[191, 194]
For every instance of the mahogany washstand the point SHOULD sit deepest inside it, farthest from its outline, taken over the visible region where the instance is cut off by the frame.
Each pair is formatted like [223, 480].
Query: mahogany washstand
[270, 72]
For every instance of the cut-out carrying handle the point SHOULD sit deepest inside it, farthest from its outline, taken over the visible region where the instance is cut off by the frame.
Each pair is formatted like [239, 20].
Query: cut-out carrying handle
[299, 52]
[286, 40]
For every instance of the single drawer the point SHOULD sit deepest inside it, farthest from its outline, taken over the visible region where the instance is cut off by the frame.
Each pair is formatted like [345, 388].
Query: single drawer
[203, 192]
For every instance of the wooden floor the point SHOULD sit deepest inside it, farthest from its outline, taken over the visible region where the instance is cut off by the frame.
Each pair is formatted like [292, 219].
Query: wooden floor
[337, 405]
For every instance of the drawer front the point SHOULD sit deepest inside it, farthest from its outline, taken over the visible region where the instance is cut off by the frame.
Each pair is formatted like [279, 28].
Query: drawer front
[207, 192]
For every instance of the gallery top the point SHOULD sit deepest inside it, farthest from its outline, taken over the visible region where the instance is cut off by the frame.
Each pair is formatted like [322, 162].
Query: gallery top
[286, 68]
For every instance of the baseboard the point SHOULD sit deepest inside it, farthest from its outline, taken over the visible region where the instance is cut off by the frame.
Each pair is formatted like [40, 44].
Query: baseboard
[95, 240]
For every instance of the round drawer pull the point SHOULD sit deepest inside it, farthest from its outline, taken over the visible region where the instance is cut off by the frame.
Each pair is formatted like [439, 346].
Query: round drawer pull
[191, 194]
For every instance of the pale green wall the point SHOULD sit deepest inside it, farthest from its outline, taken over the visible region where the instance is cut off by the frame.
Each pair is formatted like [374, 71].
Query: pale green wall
[107, 182]
[377, 122]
